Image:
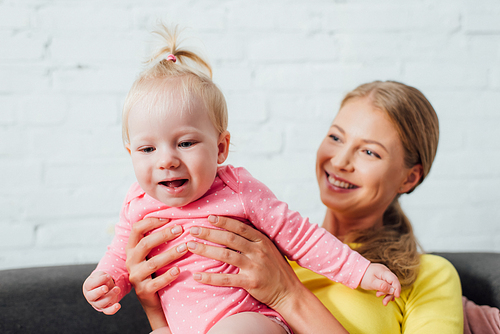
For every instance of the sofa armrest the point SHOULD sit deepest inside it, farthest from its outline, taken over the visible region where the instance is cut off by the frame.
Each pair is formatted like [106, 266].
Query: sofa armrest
[479, 274]
[50, 300]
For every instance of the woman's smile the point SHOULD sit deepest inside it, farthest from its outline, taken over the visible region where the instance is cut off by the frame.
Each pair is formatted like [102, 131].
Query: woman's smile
[340, 183]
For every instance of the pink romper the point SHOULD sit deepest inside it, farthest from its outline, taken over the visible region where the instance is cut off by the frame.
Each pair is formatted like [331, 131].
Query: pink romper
[192, 307]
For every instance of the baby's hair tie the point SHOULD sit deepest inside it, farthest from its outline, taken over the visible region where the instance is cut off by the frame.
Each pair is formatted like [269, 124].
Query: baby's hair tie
[172, 58]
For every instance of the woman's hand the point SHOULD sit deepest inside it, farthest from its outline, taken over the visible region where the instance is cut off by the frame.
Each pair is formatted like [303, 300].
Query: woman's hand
[264, 273]
[141, 268]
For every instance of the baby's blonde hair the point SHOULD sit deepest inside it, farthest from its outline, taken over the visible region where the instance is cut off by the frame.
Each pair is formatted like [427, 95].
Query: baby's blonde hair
[188, 76]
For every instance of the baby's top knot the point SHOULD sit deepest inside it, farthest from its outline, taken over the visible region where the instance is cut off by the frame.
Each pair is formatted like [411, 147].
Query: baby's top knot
[172, 58]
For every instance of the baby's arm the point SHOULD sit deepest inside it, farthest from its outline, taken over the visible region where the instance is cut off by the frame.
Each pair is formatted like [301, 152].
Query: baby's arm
[379, 277]
[101, 292]
[309, 245]
[107, 285]
[109, 282]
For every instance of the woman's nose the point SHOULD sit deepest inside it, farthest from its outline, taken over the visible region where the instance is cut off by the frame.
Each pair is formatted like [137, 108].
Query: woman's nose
[342, 160]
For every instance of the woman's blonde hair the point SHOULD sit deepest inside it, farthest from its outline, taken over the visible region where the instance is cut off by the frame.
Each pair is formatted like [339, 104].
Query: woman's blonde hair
[416, 122]
[175, 72]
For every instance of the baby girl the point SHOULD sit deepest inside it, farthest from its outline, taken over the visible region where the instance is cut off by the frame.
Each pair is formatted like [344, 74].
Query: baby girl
[175, 129]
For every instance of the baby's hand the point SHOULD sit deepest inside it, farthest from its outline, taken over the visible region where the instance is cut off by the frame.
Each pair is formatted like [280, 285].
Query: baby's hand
[100, 291]
[378, 277]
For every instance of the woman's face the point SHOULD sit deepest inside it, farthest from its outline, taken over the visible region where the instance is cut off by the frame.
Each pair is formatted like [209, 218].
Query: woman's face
[360, 164]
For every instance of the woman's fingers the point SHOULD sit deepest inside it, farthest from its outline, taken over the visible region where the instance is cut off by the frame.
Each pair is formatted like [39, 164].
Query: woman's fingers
[234, 234]
[221, 237]
[147, 267]
[151, 286]
[263, 271]
[165, 258]
[234, 280]
[140, 228]
[236, 226]
[138, 248]
[161, 281]
[217, 253]
[142, 245]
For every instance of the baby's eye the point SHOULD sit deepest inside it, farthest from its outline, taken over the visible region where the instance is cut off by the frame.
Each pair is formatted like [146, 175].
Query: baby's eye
[148, 149]
[186, 144]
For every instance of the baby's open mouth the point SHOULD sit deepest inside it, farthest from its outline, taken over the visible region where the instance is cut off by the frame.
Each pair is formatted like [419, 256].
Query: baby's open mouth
[174, 183]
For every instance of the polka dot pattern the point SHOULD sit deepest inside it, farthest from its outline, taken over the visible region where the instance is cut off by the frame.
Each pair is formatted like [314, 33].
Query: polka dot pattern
[191, 307]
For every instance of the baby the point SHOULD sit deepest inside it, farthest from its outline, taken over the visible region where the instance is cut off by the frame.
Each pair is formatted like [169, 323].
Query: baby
[175, 129]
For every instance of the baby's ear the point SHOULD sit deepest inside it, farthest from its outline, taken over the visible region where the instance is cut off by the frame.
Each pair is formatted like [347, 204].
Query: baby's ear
[223, 146]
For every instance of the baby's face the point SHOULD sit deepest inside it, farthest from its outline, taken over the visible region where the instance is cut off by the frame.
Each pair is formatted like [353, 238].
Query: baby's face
[175, 152]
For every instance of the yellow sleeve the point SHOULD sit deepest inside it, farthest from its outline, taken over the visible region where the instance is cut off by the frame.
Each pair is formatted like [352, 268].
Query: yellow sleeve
[434, 303]
[359, 311]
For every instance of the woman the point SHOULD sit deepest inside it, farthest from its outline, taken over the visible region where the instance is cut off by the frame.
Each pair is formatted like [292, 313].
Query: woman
[381, 145]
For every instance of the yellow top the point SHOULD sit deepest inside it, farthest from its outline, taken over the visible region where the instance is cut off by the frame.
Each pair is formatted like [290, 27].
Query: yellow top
[432, 305]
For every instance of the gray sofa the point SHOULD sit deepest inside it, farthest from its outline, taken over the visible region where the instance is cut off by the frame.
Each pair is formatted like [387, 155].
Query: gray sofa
[49, 299]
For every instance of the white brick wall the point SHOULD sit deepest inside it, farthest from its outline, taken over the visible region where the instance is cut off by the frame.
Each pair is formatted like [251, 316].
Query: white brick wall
[65, 67]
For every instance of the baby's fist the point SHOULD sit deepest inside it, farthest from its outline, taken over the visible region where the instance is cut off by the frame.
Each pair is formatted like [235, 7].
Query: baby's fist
[378, 277]
[100, 291]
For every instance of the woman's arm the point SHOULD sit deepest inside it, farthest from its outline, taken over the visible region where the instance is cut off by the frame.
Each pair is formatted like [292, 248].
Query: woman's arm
[264, 273]
[141, 269]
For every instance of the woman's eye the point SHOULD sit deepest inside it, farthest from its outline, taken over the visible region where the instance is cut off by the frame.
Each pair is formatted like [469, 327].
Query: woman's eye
[186, 144]
[335, 138]
[372, 154]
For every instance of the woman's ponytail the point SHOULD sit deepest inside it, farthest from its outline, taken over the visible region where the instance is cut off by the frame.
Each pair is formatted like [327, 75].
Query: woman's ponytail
[393, 244]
